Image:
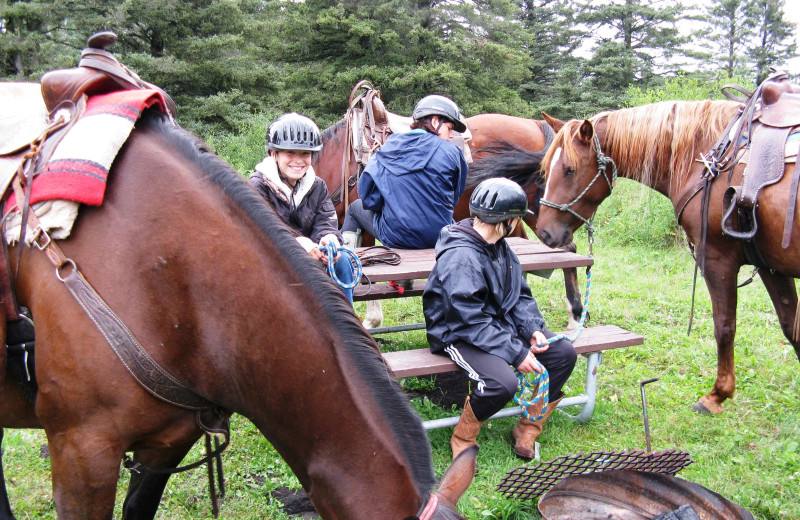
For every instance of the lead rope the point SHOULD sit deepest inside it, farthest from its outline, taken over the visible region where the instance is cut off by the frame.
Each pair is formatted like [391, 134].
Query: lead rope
[331, 251]
[541, 381]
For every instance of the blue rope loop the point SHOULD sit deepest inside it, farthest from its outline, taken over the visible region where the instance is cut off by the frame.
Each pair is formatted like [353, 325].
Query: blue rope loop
[540, 384]
[542, 380]
[331, 251]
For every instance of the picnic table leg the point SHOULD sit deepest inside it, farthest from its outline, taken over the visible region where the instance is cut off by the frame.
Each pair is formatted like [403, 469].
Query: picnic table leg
[589, 396]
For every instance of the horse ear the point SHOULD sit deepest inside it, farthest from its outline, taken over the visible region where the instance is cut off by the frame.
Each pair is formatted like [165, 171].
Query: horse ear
[458, 476]
[557, 124]
[586, 132]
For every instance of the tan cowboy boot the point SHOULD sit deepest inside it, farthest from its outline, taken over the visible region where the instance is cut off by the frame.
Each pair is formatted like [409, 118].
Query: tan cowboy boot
[466, 431]
[526, 432]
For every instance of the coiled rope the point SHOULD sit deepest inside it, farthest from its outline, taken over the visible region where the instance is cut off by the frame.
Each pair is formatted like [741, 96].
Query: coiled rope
[542, 380]
[331, 251]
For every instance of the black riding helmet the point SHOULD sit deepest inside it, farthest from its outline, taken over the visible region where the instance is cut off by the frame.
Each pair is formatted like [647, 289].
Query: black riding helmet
[294, 132]
[440, 106]
[498, 200]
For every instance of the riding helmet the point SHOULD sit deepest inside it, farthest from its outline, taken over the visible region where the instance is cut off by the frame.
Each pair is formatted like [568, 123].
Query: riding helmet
[497, 200]
[440, 106]
[294, 132]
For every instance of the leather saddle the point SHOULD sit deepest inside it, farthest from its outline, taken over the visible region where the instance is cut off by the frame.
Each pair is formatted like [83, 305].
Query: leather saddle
[369, 121]
[34, 119]
[98, 72]
[774, 114]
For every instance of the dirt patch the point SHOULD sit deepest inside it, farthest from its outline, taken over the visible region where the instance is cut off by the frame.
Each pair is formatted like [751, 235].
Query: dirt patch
[295, 502]
[451, 388]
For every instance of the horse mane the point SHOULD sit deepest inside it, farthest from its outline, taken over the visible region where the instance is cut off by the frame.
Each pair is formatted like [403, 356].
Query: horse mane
[332, 132]
[659, 138]
[359, 346]
[504, 159]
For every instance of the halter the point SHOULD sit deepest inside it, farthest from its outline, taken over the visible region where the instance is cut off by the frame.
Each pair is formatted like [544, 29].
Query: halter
[603, 161]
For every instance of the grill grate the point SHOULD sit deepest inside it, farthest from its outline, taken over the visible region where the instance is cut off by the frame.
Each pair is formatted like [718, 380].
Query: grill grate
[528, 482]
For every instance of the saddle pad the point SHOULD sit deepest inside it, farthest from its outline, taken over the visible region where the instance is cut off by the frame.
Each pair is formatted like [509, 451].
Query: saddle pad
[78, 168]
[23, 116]
[790, 152]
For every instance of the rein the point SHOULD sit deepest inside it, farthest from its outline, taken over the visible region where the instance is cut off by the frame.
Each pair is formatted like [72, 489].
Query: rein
[542, 380]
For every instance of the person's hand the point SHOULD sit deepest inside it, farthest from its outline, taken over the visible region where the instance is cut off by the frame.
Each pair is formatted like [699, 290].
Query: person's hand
[330, 238]
[312, 249]
[530, 364]
[538, 338]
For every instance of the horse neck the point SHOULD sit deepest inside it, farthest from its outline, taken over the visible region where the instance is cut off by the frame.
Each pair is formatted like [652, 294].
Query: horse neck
[243, 313]
[659, 145]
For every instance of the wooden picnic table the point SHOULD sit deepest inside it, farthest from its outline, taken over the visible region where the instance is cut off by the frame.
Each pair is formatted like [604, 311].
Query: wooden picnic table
[536, 258]
[416, 264]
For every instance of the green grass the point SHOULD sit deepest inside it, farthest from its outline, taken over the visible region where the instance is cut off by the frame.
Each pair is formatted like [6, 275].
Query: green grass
[641, 281]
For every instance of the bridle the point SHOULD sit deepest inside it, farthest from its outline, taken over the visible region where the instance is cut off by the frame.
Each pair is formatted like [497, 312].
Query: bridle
[603, 161]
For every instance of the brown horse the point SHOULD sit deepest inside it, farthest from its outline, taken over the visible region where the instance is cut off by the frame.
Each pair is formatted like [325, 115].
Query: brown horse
[207, 279]
[659, 146]
[501, 146]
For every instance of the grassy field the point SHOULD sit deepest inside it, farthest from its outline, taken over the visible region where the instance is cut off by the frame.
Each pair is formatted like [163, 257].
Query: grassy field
[642, 281]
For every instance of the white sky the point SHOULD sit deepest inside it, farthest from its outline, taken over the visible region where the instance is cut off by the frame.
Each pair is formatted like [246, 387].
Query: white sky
[791, 9]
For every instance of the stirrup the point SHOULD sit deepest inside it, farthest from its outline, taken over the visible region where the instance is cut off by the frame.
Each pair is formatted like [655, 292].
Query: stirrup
[731, 216]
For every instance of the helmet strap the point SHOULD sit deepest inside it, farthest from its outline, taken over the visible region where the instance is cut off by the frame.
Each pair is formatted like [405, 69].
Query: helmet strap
[441, 123]
[508, 227]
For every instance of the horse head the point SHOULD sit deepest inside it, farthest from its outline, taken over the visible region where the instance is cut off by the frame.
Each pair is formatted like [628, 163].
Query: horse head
[578, 178]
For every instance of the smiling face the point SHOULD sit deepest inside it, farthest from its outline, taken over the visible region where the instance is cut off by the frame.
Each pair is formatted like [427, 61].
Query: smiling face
[293, 164]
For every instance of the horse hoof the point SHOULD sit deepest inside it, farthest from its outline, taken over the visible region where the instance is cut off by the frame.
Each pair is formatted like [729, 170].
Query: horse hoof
[699, 408]
[705, 407]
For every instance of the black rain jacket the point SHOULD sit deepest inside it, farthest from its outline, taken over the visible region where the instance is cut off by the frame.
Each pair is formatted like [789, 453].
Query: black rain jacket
[477, 294]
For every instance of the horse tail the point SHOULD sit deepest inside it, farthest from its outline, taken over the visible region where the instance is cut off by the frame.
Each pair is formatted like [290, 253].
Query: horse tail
[503, 159]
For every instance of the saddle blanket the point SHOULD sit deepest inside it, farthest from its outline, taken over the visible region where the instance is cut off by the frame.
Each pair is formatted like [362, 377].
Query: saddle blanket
[791, 150]
[78, 169]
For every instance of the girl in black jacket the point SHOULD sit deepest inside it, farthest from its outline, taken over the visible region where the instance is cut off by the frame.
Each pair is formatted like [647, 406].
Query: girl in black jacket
[479, 311]
[287, 181]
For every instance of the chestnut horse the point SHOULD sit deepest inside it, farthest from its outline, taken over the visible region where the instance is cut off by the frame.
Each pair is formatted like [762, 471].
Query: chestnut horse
[501, 146]
[659, 145]
[184, 252]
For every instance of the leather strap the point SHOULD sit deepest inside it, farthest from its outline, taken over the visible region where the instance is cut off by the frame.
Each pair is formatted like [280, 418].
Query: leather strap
[141, 366]
[790, 209]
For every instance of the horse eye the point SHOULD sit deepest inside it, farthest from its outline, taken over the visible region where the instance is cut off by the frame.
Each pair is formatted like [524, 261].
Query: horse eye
[569, 171]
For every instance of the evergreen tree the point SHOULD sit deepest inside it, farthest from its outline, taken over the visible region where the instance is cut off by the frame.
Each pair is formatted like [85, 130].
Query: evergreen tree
[774, 40]
[32, 38]
[555, 85]
[731, 26]
[641, 37]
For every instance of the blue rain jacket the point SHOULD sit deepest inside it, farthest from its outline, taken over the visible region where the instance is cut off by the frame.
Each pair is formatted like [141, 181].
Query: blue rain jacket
[412, 183]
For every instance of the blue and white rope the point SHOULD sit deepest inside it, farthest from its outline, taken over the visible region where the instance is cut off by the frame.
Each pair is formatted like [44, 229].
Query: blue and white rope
[542, 380]
[331, 252]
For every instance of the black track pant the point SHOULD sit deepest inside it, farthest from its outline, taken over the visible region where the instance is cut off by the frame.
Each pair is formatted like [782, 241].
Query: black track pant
[496, 381]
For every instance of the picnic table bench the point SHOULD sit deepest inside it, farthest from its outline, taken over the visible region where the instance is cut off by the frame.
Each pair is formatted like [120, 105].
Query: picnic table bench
[535, 258]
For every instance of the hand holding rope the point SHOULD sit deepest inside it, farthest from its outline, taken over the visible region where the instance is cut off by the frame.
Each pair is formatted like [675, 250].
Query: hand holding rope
[541, 381]
[332, 251]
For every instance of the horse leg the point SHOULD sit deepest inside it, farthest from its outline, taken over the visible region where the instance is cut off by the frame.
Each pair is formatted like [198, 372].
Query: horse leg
[781, 290]
[85, 468]
[721, 283]
[5, 506]
[573, 291]
[374, 316]
[146, 488]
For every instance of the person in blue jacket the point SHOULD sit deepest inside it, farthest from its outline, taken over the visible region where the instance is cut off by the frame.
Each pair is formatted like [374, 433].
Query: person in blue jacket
[286, 179]
[479, 311]
[412, 183]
